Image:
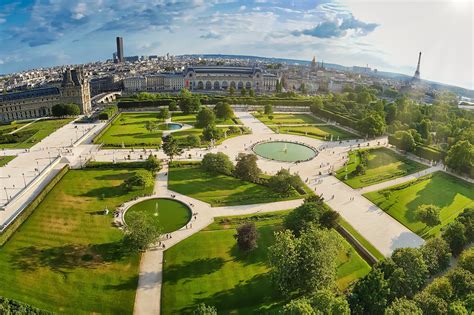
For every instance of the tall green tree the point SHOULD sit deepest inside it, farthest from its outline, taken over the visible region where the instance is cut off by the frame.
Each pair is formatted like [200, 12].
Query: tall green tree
[205, 117]
[171, 147]
[436, 254]
[268, 109]
[460, 157]
[164, 113]
[370, 294]
[403, 306]
[247, 236]
[372, 125]
[247, 168]
[217, 163]
[141, 231]
[428, 214]
[223, 111]
[153, 164]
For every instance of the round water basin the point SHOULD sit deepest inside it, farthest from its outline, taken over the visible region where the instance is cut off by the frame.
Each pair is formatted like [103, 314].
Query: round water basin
[171, 215]
[170, 126]
[284, 151]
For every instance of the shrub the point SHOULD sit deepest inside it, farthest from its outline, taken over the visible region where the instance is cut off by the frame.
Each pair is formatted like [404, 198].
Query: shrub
[247, 236]
[217, 162]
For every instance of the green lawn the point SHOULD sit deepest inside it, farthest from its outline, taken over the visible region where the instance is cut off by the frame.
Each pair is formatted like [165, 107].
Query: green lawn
[34, 133]
[364, 242]
[67, 257]
[322, 132]
[5, 159]
[129, 129]
[171, 214]
[383, 165]
[288, 119]
[449, 193]
[220, 190]
[209, 268]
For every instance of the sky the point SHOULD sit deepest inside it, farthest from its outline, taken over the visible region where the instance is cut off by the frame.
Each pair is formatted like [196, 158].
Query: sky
[384, 34]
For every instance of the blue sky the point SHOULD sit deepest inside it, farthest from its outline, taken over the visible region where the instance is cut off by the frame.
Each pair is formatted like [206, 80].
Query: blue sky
[385, 34]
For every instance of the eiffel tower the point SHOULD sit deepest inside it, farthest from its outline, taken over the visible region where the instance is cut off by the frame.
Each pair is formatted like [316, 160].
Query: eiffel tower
[416, 77]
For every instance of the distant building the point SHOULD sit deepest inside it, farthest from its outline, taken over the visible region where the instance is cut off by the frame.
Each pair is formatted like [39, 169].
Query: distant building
[223, 77]
[135, 84]
[74, 88]
[120, 56]
[105, 84]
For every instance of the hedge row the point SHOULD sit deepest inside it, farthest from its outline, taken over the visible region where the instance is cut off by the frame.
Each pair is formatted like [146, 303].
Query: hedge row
[5, 236]
[429, 153]
[118, 165]
[343, 120]
[12, 307]
[108, 112]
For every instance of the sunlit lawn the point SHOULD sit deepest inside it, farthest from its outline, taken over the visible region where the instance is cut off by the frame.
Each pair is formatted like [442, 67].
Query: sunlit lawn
[383, 165]
[220, 190]
[37, 131]
[288, 119]
[209, 268]
[67, 257]
[320, 132]
[449, 193]
[5, 159]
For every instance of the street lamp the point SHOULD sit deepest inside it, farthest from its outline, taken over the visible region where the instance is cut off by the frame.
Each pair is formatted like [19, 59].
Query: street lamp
[24, 180]
[49, 154]
[6, 193]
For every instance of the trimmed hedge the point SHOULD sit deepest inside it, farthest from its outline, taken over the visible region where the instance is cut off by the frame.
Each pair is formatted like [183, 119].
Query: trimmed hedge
[119, 165]
[12, 307]
[5, 236]
[343, 120]
[429, 153]
[108, 112]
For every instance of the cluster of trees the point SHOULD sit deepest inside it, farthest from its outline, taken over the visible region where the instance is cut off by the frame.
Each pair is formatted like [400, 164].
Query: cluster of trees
[187, 102]
[206, 119]
[140, 179]
[397, 284]
[63, 110]
[13, 307]
[141, 232]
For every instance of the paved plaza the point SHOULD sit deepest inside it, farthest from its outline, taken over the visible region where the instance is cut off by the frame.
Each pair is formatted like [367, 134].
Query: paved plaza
[72, 145]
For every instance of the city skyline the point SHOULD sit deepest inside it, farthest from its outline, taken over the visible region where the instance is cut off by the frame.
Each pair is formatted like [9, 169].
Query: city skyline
[48, 33]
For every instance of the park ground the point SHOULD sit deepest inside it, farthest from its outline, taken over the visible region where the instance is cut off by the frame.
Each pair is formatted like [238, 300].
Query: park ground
[5, 159]
[129, 130]
[221, 190]
[304, 125]
[31, 134]
[209, 268]
[383, 164]
[451, 194]
[66, 257]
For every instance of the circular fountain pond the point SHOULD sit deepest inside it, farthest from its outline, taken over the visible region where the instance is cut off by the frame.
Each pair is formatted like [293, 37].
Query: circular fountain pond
[170, 126]
[284, 151]
[171, 214]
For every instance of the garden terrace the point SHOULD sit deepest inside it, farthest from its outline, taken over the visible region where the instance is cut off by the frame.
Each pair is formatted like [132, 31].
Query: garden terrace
[66, 257]
[209, 268]
[451, 194]
[382, 165]
[221, 190]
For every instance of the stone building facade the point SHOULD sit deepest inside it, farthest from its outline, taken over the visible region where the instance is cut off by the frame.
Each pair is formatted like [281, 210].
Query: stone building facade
[35, 103]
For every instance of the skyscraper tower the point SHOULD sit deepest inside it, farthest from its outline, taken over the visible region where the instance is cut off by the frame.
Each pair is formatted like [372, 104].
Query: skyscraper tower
[120, 56]
[417, 72]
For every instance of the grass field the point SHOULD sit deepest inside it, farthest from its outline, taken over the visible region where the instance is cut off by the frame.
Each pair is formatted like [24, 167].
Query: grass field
[383, 165]
[34, 133]
[67, 257]
[129, 129]
[220, 190]
[449, 193]
[5, 159]
[322, 132]
[289, 119]
[366, 244]
[209, 268]
[171, 214]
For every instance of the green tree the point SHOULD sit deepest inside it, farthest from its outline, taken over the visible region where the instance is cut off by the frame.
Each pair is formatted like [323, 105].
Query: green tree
[326, 302]
[151, 126]
[403, 306]
[406, 141]
[467, 219]
[430, 304]
[283, 182]
[391, 111]
[217, 163]
[436, 254]
[71, 110]
[310, 213]
[425, 128]
[268, 109]
[224, 111]
[372, 125]
[440, 287]
[164, 113]
[370, 294]
[203, 309]
[246, 236]
[173, 106]
[251, 92]
[171, 147]
[316, 105]
[462, 282]
[304, 264]
[410, 273]
[243, 92]
[211, 132]
[457, 308]
[301, 306]
[246, 167]
[455, 235]
[189, 103]
[140, 179]
[303, 89]
[466, 261]
[460, 157]
[58, 110]
[205, 117]
[153, 164]
[231, 90]
[193, 141]
[141, 231]
[428, 214]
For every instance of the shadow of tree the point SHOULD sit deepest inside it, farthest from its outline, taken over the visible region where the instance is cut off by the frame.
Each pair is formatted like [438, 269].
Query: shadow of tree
[68, 257]
[130, 284]
[192, 269]
[107, 192]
